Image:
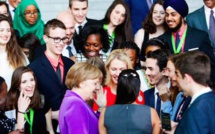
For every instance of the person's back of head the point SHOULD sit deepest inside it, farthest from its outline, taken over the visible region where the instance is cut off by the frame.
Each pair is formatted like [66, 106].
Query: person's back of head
[196, 64]
[128, 87]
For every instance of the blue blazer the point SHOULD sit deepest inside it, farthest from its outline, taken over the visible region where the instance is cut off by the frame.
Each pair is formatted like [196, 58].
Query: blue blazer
[199, 118]
[150, 101]
[195, 39]
[47, 80]
[197, 20]
[139, 10]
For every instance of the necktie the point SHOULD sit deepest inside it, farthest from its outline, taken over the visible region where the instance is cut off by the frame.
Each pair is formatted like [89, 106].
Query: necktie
[69, 51]
[80, 29]
[212, 26]
[158, 104]
[177, 41]
[58, 72]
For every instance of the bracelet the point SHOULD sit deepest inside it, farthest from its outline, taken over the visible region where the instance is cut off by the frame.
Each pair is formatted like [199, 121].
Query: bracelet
[21, 112]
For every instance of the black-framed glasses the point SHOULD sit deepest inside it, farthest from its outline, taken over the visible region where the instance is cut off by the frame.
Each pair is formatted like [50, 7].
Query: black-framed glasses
[29, 14]
[58, 39]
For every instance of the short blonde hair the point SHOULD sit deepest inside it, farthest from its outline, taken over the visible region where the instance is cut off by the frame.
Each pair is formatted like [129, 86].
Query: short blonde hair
[120, 55]
[80, 72]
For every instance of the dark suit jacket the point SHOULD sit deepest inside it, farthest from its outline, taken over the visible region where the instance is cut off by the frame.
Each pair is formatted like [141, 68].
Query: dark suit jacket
[149, 97]
[197, 20]
[195, 39]
[139, 10]
[77, 37]
[199, 118]
[47, 80]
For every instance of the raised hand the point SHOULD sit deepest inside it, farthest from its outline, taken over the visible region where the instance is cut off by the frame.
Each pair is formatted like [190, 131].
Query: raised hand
[23, 102]
[164, 93]
[101, 99]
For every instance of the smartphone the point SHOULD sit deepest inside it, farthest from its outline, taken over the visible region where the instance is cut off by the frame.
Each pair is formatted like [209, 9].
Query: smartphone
[165, 121]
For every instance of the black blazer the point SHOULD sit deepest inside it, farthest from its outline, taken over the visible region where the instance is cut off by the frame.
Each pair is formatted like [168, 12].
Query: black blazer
[47, 80]
[195, 39]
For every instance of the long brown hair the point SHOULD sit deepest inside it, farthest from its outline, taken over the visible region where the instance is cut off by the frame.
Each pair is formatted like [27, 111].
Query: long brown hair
[13, 94]
[123, 31]
[148, 24]
[15, 55]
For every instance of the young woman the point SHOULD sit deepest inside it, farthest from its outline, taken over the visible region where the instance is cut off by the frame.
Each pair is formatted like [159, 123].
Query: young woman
[153, 26]
[116, 62]
[126, 116]
[83, 80]
[95, 41]
[24, 97]
[4, 9]
[11, 56]
[27, 19]
[118, 24]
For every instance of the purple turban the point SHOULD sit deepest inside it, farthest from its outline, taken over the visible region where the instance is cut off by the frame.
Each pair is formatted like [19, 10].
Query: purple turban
[178, 5]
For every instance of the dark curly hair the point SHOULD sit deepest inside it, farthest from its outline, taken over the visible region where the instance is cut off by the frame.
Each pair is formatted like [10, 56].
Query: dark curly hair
[98, 30]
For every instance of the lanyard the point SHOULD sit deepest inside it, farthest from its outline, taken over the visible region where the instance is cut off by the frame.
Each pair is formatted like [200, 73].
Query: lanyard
[112, 35]
[31, 119]
[177, 50]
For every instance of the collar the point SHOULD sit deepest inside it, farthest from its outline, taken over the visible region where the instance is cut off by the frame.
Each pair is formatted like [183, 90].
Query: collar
[208, 10]
[82, 24]
[10, 7]
[53, 61]
[203, 91]
[156, 91]
[181, 31]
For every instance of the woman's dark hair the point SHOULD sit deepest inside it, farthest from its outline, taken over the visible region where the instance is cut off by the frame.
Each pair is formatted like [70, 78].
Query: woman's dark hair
[131, 45]
[29, 41]
[154, 42]
[128, 87]
[2, 80]
[123, 32]
[13, 94]
[97, 30]
[8, 11]
[148, 24]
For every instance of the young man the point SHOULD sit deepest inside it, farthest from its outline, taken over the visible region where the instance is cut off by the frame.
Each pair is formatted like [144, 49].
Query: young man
[203, 19]
[181, 37]
[193, 73]
[51, 68]
[12, 6]
[69, 21]
[155, 69]
[79, 9]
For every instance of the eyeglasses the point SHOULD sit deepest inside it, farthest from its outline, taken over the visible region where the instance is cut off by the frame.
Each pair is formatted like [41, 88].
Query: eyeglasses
[58, 39]
[29, 14]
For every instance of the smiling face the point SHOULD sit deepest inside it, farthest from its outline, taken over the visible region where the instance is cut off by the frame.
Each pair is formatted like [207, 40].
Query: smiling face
[5, 32]
[115, 68]
[27, 84]
[79, 10]
[209, 3]
[90, 88]
[173, 19]
[170, 72]
[153, 71]
[117, 15]
[158, 15]
[182, 82]
[93, 45]
[55, 49]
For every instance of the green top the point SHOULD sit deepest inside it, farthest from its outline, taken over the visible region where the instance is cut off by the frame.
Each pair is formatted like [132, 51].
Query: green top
[23, 26]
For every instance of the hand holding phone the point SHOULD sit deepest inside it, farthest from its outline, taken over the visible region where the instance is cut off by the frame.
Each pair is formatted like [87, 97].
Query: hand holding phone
[165, 121]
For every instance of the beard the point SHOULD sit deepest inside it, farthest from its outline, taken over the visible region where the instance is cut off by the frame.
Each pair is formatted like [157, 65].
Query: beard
[177, 27]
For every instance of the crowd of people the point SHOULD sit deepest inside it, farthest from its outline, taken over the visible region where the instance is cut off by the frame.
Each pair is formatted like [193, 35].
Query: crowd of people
[76, 75]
